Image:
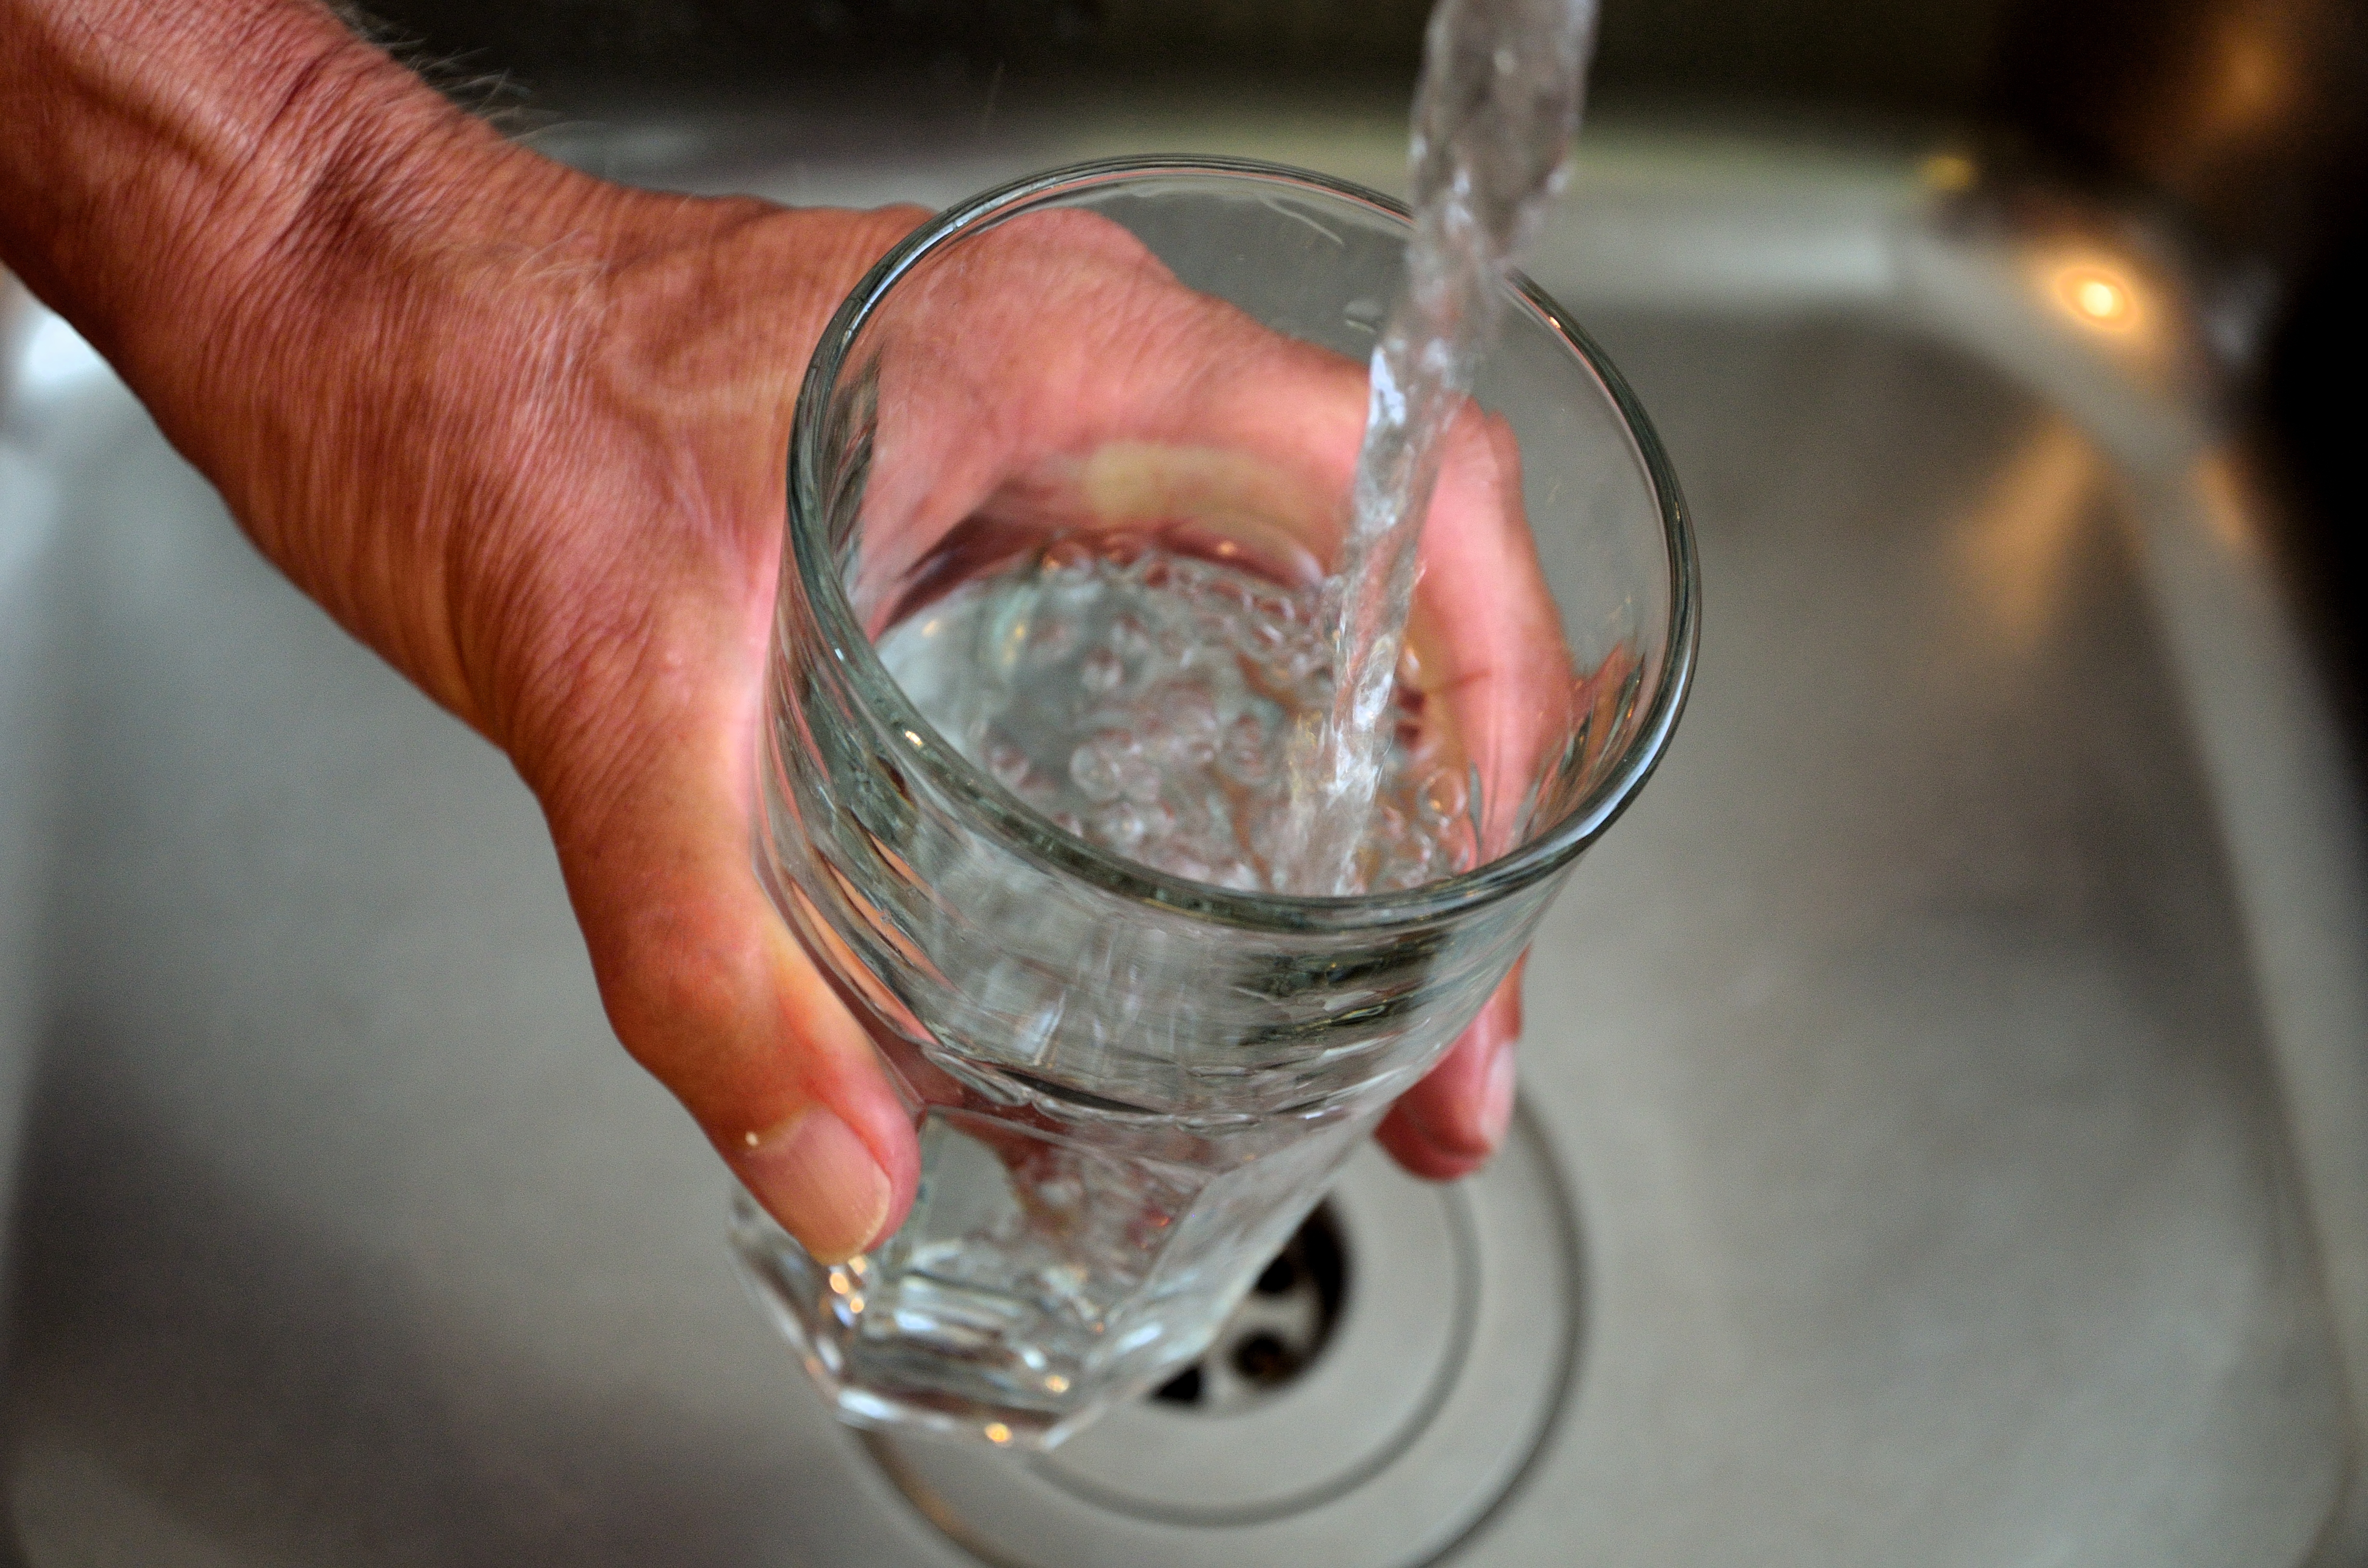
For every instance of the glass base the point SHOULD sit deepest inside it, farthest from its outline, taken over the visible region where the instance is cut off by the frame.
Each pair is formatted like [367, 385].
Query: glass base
[876, 1380]
[1039, 1279]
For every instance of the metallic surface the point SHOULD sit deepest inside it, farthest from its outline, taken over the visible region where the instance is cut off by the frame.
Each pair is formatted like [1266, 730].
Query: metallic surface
[1427, 1420]
[1970, 1140]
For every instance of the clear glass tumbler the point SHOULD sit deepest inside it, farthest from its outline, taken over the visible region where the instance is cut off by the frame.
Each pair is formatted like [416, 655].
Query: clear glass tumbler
[1131, 1083]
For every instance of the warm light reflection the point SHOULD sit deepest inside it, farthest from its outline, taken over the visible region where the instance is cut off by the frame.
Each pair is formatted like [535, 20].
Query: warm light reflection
[1950, 173]
[2229, 506]
[2018, 538]
[2097, 296]
[2250, 82]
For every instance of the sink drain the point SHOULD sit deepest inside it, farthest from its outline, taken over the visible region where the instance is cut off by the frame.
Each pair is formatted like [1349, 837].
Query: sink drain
[1370, 1407]
[1278, 1331]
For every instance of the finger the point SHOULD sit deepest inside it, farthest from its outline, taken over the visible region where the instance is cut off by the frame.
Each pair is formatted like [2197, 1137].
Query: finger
[1488, 636]
[642, 682]
[703, 982]
[1448, 1125]
[986, 415]
[991, 416]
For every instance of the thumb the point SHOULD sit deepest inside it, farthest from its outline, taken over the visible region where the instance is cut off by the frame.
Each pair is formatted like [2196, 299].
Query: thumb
[1448, 1125]
[707, 987]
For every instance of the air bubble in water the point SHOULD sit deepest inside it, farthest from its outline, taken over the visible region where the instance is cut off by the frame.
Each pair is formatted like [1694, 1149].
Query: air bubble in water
[1096, 772]
[1006, 762]
[1168, 712]
[1102, 672]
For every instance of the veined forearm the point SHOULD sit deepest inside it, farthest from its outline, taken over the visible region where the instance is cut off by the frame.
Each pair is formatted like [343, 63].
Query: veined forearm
[279, 236]
[163, 159]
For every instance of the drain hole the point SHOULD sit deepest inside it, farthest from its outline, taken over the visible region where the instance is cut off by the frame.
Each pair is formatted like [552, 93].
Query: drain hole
[1278, 1331]
[1264, 1360]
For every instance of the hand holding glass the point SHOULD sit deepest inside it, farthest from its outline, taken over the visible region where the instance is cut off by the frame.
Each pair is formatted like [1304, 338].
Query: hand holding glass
[1078, 452]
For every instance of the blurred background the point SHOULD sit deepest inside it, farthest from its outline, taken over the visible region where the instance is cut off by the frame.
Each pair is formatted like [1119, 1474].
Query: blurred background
[2239, 125]
[1944, 1104]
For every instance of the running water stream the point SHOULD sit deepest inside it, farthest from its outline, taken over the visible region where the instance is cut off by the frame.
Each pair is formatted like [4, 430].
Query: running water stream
[1199, 719]
[1503, 83]
[1113, 1149]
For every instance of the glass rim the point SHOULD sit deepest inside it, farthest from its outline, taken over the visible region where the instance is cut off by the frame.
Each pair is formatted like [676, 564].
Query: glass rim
[1028, 831]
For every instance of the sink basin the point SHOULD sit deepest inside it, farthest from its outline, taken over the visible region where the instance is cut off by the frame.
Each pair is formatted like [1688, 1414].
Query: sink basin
[1945, 1132]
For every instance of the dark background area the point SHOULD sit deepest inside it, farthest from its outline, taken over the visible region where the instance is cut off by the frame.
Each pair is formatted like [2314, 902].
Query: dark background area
[1920, 57]
[2243, 124]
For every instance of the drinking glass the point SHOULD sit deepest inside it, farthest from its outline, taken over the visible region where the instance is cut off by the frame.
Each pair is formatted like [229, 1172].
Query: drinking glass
[1131, 1085]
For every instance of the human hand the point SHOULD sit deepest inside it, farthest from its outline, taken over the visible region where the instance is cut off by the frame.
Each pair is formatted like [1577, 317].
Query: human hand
[549, 489]
[523, 432]
[1048, 376]
[612, 621]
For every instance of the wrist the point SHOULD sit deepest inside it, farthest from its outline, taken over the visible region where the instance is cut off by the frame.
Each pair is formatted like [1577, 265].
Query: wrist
[279, 236]
[187, 183]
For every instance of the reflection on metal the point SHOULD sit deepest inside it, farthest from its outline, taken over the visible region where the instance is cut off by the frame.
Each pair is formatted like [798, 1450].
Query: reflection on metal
[1948, 174]
[2229, 501]
[2019, 536]
[2097, 296]
[54, 357]
[1427, 1416]
[1934, 1047]
[2250, 78]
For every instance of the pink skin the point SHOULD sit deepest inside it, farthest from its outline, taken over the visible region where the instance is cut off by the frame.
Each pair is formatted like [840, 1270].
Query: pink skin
[964, 421]
[522, 432]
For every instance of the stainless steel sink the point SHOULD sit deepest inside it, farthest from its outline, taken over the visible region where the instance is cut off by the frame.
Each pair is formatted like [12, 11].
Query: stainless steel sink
[1946, 1094]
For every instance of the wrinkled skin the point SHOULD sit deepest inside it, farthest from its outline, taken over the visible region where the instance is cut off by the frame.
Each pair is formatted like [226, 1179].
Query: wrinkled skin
[523, 432]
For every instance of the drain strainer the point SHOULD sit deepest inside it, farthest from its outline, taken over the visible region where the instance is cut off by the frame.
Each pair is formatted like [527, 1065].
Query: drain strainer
[1370, 1419]
[1279, 1329]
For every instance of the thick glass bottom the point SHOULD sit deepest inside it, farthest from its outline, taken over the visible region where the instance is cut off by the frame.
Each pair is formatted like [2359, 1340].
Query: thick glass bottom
[1037, 1280]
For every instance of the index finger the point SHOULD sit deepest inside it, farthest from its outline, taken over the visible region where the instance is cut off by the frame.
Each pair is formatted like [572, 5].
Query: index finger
[1060, 379]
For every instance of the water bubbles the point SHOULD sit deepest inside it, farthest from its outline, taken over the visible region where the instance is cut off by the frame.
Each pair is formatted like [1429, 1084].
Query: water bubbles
[1246, 754]
[1006, 762]
[1066, 555]
[1126, 551]
[1191, 711]
[1101, 672]
[1130, 639]
[1118, 826]
[1161, 690]
[1094, 768]
[1234, 593]
[1184, 725]
[1203, 818]
[1138, 776]
[1051, 637]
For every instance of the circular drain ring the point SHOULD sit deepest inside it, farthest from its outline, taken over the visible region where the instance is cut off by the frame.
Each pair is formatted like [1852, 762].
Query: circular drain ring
[1560, 1217]
[1464, 1239]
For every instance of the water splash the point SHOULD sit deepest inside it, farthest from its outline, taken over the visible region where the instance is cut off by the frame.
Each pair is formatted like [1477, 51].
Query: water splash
[1141, 700]
[1503, 83]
